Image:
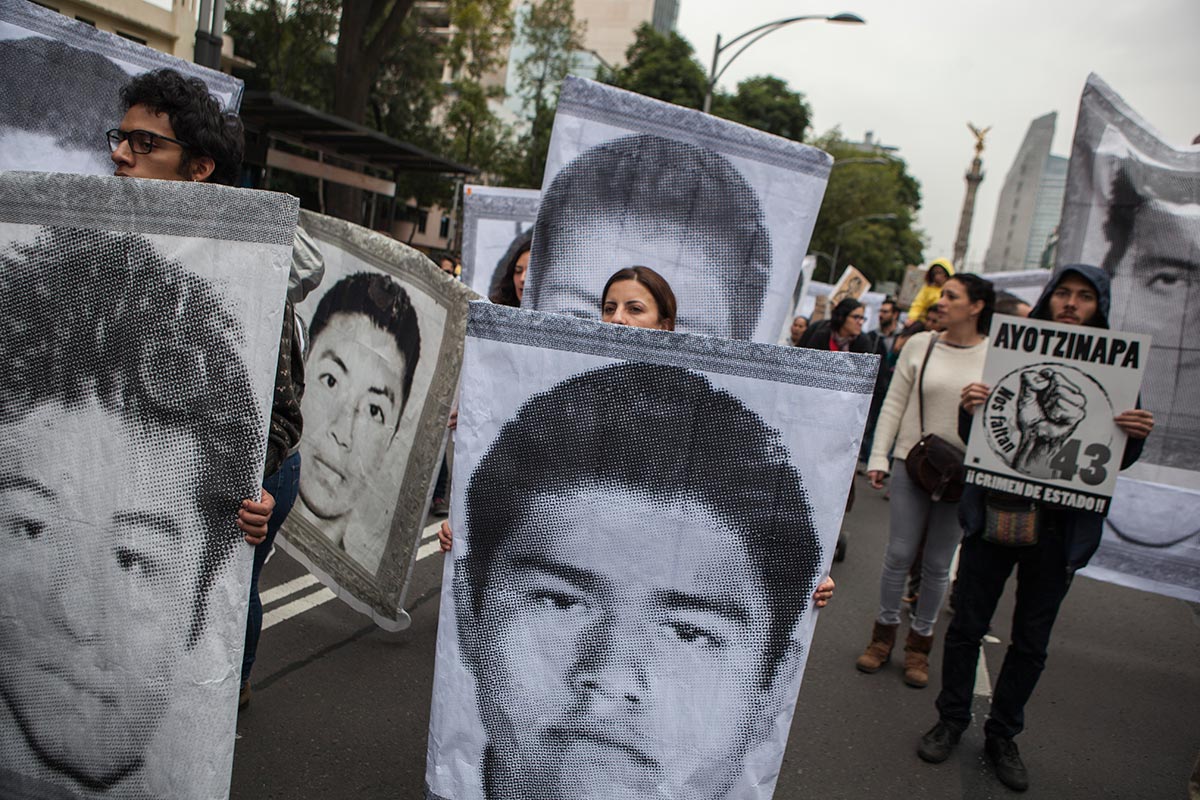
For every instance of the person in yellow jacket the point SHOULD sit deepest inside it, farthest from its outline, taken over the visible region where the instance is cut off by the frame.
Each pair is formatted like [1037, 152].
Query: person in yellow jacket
[939, 272]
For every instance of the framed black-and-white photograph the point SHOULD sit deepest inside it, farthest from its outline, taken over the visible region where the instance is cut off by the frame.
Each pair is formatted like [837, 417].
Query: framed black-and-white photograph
[61, 84]
[139, 333]
[385, 331]
[497, 236]
[640, 519]
[1046, 431]
[722, 211]
[1133, 207]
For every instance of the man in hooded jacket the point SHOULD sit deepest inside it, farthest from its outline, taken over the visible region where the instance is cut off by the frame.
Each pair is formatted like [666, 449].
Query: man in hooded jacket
[1066, 539]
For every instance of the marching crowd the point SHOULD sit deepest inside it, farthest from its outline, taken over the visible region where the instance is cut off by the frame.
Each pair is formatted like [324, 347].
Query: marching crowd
[929, 386]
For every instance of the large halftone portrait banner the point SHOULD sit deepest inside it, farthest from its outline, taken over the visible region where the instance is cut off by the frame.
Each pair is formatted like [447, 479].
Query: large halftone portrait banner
[640, 520]
[722, 211]
[1133, 207]
[139, 332]
[385, 331]
[497, 234]
[61, 85]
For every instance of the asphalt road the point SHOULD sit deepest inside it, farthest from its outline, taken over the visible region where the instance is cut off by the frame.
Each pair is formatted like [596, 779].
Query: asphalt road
[341, 708]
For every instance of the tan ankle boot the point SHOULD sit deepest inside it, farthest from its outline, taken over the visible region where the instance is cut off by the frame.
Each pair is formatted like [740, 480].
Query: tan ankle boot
[879, 651]
[916, 659]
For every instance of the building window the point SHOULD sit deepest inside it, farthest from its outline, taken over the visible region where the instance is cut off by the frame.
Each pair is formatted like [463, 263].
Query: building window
[422, 221]
[131, 37]
[444, 228]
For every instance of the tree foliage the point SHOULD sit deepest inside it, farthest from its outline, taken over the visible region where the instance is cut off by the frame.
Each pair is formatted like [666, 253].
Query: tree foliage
[662, 66]
[550, 35]
[290, 45]
[880, 249]
[768, 104]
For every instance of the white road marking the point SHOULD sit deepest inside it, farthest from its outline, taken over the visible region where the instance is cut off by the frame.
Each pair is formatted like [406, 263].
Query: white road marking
[284, 589]
[286, 612]
[983, 681]
[428, 546]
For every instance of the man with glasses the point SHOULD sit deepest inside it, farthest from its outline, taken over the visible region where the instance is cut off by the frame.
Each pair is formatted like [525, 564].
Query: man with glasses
[173, 129]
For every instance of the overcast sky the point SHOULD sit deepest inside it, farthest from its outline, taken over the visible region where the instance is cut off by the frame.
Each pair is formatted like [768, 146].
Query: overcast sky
[919, 70]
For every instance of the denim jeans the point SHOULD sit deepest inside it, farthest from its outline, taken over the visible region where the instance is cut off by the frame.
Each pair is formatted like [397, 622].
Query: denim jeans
[914, 515]
[284, 486]
[1042, 582]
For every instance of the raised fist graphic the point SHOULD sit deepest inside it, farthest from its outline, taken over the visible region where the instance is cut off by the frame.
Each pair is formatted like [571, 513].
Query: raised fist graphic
[1049, 409]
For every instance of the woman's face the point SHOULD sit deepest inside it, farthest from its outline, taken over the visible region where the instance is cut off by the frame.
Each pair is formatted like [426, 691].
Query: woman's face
[854, 323]
[519, 274]
[799, 326]
[956, 307]
[940, 276]
[630, 303]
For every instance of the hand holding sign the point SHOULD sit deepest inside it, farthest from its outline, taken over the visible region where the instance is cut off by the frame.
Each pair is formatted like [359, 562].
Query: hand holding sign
[1049, 408]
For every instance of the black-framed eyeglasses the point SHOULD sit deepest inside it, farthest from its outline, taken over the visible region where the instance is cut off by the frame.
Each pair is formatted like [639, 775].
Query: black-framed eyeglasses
[140, 142]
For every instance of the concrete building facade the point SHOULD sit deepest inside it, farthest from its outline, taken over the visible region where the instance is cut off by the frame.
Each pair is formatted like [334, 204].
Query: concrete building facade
[1030, 202]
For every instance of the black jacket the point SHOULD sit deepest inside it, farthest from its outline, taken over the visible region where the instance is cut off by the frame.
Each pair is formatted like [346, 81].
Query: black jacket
[817, 338]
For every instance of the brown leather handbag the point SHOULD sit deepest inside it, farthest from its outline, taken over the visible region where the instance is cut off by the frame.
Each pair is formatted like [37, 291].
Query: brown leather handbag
[933, 463]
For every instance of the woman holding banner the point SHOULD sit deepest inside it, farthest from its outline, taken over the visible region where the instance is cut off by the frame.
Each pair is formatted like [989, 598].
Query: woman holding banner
[923, 399]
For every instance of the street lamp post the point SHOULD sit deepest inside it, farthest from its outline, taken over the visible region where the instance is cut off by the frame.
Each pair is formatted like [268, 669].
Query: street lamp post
[715, 73]
[837, 239]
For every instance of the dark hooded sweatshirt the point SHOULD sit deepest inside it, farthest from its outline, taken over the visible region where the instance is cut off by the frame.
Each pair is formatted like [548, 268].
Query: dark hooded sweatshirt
[1081, 529]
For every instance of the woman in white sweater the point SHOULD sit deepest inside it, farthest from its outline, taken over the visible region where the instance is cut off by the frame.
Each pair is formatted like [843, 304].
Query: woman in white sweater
[956, 360]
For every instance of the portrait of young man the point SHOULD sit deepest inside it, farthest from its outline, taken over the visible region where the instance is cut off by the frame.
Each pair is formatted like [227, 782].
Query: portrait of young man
[364, 347]
[1152, 229]
[684, 211]
[628, 612]
[110, 554]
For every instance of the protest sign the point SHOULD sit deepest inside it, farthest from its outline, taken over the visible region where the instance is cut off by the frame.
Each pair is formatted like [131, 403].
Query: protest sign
[385, 334]
[910, 287]
[722, 211]
[634, 502]
[62, 80]
[139, 334]
[1046, 431]
[497, 228]
[852, 283]
[1133, 207]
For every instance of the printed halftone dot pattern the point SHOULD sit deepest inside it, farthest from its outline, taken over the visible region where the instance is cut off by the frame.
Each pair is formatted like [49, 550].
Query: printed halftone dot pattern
[682, 210]
[132, 435]
[1153, 231]
[627, 445]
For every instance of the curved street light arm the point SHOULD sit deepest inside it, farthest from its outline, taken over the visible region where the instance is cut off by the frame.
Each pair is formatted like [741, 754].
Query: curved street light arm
[779, 23]
[770, 28]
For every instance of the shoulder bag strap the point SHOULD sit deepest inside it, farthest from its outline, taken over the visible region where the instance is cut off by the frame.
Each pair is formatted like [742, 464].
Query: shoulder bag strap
[921, 382]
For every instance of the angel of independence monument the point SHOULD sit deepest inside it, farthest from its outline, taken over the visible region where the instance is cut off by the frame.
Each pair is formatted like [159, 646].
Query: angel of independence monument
[974, 178]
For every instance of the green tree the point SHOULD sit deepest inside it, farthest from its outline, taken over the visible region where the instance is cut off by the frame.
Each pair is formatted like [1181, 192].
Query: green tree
[768, 104]
[290, 45]
[662, 66]
[880, 249]
[551, 36]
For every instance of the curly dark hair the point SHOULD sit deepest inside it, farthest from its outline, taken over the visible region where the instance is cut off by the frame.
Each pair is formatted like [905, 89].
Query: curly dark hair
[97, 315]
[196, 117]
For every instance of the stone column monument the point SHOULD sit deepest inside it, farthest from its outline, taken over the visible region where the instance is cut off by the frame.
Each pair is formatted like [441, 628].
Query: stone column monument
[974, 178]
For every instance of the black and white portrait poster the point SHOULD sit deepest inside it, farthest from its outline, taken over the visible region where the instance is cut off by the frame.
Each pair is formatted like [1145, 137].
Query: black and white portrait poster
[724, 212]
[497, 231]
[852, 283]
[1133, 208]
[61, 84]
[1046, 431]
[640, 520]
[139, 332]
[385, 331]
